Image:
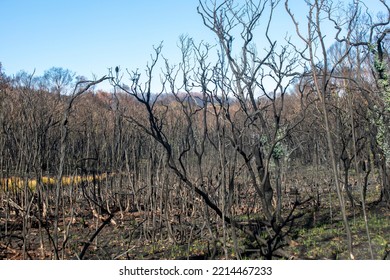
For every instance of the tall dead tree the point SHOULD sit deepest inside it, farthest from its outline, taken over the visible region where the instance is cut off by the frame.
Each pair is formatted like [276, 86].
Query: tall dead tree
[319, 70]
[80, 88]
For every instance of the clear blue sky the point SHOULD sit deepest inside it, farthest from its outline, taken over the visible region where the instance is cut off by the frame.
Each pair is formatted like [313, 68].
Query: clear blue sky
[89, 36]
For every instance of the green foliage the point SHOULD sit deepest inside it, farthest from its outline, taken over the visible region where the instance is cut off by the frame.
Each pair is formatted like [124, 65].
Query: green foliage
[383, 137]
[382, 121]
[278, 151]
[327, 240]
[381, 67]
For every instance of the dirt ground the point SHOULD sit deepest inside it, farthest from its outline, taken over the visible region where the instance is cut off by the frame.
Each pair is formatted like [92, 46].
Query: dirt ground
[317, 236]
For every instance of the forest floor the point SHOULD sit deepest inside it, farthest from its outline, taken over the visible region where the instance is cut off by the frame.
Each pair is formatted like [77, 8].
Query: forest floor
[326, 239]
[317, 235]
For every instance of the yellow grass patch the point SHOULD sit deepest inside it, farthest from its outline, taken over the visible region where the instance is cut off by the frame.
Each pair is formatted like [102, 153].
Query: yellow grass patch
[15, 183]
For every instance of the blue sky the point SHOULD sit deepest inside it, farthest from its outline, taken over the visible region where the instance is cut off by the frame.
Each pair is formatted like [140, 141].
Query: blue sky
[89, 36]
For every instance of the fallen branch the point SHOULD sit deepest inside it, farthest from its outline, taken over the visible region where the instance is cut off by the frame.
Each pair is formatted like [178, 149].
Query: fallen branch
[87, 244]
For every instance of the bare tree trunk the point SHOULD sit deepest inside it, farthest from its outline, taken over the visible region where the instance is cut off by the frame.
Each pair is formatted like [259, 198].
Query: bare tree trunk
[63, 146]
[321, 81]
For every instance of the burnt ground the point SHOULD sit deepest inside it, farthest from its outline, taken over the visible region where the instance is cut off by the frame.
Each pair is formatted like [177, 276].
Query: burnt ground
[326, 239]
[317, 235]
